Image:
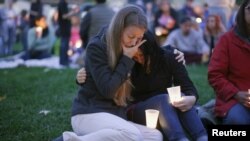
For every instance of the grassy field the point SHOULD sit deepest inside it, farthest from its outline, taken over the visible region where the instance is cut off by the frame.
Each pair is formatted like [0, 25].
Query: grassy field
[25, 92]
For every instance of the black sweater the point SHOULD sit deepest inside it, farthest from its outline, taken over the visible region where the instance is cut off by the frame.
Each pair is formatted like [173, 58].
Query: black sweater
[169, 73]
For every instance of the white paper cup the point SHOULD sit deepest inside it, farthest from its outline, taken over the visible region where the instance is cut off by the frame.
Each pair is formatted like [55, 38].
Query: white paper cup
[151, 117]
[249, 91]
[174, 93]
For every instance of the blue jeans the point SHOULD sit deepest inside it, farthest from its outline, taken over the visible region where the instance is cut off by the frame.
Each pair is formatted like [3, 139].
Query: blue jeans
[64, 58]
[36, 55]
[172, 121]
[8, 37]
[238, 114]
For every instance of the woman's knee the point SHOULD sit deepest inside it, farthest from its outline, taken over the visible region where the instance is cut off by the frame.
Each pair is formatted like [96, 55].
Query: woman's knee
[161, 99]
[233, 115]
[156, 135]
[132, 135]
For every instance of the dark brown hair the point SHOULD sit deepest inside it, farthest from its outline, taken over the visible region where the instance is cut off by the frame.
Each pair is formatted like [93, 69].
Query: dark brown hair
[241, 21]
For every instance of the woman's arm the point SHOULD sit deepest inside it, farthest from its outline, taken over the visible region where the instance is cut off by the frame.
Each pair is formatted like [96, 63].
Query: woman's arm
[107, 81]
[31, 38]
[45, 43]
[181, 78]
[81, 74]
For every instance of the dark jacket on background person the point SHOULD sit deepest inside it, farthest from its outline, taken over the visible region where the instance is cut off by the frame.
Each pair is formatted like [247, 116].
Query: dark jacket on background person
[97, 17]
[38, 8]
[173, 14]
[228, 70]
[97, 93]
[64, 24]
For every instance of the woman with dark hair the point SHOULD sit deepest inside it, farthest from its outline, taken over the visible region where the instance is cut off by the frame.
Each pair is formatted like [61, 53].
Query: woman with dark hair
[40, 40]
[228, 71]
[155, 70]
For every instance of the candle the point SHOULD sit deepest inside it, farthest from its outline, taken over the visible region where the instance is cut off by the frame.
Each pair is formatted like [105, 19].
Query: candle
[151, 118]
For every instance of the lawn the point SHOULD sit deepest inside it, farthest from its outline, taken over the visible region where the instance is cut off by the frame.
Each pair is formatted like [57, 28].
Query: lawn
[25, 92]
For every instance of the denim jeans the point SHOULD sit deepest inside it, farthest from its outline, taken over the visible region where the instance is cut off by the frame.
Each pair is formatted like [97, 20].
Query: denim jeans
[36, 55]
[238, 114]
[173, 123]
[108, 127]
[1, 46]
[64, 59]
[8, 37]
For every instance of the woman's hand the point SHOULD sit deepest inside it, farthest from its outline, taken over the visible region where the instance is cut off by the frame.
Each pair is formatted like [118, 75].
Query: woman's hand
[243, 98]
[81, 76]
[131, 51]
[185, 103]
[180, 56]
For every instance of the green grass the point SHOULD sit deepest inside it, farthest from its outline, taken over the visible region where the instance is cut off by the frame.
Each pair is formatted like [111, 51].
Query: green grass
[29, 91]
[198, 74]
[26, 91]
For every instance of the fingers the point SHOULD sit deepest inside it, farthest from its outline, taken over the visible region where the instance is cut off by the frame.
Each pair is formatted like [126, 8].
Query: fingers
[181, 106]
[143, 41]
[131, 51]
[81, 75]
[180, 56]
[82, 70]
[81, 78]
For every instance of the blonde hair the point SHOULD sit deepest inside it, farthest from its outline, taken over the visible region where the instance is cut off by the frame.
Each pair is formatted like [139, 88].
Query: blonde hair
[127, 16]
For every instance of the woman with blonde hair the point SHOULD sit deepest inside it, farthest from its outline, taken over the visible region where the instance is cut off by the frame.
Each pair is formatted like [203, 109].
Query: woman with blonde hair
[99, 109]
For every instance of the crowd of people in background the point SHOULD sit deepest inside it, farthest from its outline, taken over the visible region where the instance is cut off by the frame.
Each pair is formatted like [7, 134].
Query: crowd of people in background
[215, 33]
[208, 21]
[232, 93]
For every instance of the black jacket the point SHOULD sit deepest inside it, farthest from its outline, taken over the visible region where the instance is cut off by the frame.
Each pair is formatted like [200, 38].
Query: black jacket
[169, 73]
[97, 93]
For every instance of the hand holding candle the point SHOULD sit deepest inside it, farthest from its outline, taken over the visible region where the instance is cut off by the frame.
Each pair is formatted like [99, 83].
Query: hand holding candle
[174, 93]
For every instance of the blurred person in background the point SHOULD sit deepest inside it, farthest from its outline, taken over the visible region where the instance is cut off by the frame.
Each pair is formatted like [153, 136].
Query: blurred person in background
[187, 10]
[75, 42]
[75, 39]
[24, 27]
[64, 15]
[188, 41]
[166, 19]
[1, 33]
[213, 30]
[36, 9]
[232, 19]
[98, 16]
[40, 40]
[150, 14]
[228, 71]
[222, 8]
[8, 27]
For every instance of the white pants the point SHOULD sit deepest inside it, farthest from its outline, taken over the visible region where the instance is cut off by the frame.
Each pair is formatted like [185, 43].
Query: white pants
[108, 127]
